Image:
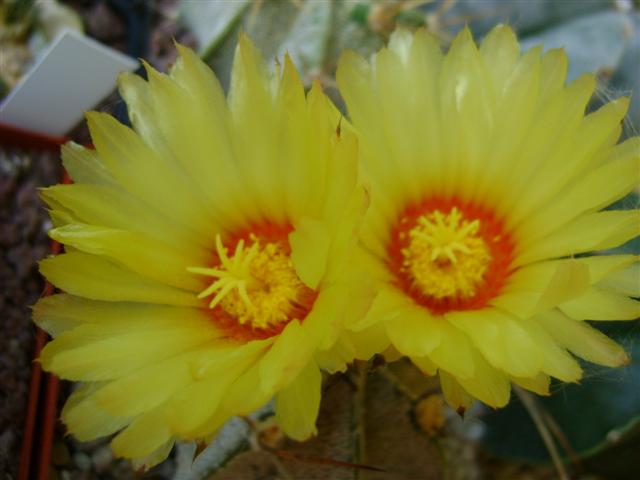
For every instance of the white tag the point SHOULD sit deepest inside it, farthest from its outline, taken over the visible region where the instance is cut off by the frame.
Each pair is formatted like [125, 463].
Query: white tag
[72, 76]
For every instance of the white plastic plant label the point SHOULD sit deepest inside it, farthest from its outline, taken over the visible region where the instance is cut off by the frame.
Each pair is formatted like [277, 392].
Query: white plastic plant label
[72, 76]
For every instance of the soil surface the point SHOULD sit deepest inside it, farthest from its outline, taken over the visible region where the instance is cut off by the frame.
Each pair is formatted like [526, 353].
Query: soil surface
[23, 241]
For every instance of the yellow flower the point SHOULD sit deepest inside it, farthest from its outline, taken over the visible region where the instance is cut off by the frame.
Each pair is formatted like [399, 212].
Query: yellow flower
[487, 183]
[207, 256]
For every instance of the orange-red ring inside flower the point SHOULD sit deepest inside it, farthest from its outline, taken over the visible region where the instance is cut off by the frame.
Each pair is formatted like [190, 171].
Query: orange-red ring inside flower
[492, 231]
[266, 232]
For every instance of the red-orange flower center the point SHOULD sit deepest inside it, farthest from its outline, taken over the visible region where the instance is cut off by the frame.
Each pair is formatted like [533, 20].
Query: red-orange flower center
[255, 290]
[450, 255]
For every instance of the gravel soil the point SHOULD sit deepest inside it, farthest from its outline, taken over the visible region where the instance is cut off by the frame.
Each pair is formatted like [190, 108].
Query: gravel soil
[23, 241]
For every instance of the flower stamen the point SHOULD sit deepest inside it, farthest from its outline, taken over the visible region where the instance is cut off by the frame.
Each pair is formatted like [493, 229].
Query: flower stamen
[445, 257]
[257, 286]
[450, 255]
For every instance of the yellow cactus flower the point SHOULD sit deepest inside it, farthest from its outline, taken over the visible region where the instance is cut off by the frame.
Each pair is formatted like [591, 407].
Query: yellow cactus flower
[207, 256]
[487, 184]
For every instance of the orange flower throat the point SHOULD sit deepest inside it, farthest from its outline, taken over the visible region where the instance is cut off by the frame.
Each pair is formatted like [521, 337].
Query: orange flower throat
[450, 255]
[255, 291]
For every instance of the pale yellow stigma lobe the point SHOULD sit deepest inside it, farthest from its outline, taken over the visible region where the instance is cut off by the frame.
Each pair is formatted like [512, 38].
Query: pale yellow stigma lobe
[445, 256]
[256, 285]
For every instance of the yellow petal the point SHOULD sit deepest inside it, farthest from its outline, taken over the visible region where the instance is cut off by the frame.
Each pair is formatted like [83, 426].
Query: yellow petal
[154, 458]
[500, 52]
[600, 304]
[96, 278]
[516, 108]
[145, 435]
[298, 404]
[387, 305]
[50, 314]
[556, 361]
[568, 160]
[415, 332]
[467, 109]
[625, 281]
[245, 394]
[200, 409]
[455, 353]
[62, 312]
[548, 141]
[487, 384]
[597, 189]
[85, 419]
[139, 170]
[583, 340]
[254, 116]
[594, 231]
[113, 207]
[538, 384]
[146, 388]
[191, 411]
[309, 250]
[541, 286]
[570, 280]
[84, 165]
[136, 252]
[503, 341]
[425, 365]
[287, 357]
[554, 72]
[456, 396]
[107, 351]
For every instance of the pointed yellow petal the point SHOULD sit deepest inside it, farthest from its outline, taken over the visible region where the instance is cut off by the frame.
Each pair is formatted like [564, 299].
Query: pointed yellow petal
[542, 286]
[554, 72]
[139, 169]
[570, 280]
[113, 207]
[387, 305]
[134, 251]
[600, 304]
[594, 231]
[455, 353]
[503, 341]
[309, 250]
[415, 332]
[578, 153]
[107, 351]
[298, 404]
[538, 384]
[84, 165]
[245, 394]
[625, 281]
[96, 278]
[145, 435]
[146, 388]
[454, 394]
[583, 340]
[500, 52]
[597, 189]
[487, 384]
[85, 419]
[287, 357]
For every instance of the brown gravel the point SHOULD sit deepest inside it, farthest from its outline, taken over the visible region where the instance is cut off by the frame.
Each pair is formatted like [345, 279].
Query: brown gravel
[23, 241]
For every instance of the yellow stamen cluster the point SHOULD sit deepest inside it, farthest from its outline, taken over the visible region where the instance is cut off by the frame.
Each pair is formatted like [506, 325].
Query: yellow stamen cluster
[446, 258]
[256, 285]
